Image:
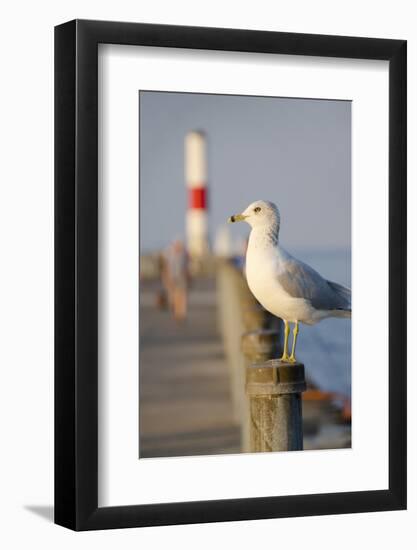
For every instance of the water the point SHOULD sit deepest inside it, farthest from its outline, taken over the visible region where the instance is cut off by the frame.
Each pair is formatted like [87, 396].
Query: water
[325, 348]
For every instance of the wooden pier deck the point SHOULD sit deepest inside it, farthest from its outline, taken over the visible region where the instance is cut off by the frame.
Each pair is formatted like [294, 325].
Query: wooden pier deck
[185, 403]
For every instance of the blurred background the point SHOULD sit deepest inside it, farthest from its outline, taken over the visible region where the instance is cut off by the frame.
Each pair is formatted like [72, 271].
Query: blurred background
[202, 158]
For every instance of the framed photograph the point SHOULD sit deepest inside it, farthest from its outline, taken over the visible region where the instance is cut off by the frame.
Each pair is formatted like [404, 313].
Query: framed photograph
[207, 370]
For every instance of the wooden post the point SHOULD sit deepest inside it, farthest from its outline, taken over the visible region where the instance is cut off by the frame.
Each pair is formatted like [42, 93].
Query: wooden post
[274, 390]
[257, 346]
[255, 317]
[260, 345]
[233, 297]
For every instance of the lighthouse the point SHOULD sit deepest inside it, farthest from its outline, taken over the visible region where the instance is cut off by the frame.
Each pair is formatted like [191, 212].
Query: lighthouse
[196, 182]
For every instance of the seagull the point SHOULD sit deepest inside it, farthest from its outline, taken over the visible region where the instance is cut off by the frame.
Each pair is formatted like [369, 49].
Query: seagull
[285, 286]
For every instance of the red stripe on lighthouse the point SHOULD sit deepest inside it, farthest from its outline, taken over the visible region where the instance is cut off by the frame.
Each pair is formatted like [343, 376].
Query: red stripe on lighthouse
[197, 198]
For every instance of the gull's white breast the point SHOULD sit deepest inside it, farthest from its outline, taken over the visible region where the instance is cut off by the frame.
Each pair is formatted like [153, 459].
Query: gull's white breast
[263, 264]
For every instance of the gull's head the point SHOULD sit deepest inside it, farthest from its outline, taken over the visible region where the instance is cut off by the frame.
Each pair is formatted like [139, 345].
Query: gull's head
[257, 214]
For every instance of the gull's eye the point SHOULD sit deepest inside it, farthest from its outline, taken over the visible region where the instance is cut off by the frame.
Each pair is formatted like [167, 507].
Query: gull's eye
[257, 209]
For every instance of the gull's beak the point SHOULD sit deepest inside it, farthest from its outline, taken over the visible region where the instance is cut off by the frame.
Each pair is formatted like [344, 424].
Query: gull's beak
[237, 218]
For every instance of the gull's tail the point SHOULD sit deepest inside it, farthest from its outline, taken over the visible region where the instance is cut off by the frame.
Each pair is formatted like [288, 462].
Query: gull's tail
[344, 306]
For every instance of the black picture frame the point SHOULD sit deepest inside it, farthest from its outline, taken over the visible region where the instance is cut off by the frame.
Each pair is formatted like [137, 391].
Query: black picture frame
[76, 272]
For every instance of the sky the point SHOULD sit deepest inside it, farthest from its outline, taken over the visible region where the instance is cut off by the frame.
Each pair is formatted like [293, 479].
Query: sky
[293, 152]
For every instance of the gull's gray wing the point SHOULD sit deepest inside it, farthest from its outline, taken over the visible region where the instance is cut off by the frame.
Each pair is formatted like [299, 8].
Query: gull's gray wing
[302, 281]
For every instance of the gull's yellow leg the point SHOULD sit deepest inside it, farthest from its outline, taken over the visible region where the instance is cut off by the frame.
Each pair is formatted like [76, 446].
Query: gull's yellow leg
[294, 342]
[285, 356]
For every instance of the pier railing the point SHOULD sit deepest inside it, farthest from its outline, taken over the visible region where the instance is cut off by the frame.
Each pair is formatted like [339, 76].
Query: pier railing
[266, 393]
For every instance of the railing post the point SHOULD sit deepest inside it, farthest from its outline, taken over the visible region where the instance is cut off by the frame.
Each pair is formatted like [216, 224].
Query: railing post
[233, 297]
[275, 412]
[255, 317]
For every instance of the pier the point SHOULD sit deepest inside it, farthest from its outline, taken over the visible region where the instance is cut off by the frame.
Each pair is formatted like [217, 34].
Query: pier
[194, 398]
